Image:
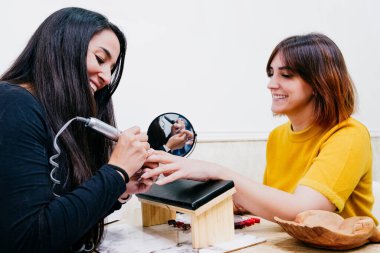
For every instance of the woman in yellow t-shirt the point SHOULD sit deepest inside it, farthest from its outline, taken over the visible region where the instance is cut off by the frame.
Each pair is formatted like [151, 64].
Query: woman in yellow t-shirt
[320, 160]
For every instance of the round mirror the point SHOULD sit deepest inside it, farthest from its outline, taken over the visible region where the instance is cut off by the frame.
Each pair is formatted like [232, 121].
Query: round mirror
[173, 133]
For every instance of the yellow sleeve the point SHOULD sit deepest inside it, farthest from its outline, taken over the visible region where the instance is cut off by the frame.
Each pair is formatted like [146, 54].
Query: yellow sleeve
[344, 157]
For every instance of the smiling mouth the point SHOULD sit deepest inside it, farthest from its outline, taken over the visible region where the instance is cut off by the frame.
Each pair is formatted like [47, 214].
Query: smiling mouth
[279, 97]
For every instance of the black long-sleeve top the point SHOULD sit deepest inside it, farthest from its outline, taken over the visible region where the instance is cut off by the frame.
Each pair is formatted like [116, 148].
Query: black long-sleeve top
[32, 219]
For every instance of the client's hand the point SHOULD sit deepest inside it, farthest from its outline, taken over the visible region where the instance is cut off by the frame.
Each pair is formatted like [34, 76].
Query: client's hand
[176, 167]
[139, 185]
[178, 140]
[238, 209]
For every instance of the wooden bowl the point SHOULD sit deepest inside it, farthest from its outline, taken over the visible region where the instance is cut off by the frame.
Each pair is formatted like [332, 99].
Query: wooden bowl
[323, 229]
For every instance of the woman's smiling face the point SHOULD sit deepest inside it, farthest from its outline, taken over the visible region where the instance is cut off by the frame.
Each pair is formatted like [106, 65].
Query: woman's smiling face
[103, 51]
[291, 95]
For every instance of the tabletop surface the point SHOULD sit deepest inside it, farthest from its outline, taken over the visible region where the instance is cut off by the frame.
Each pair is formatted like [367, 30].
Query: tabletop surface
[122, 237]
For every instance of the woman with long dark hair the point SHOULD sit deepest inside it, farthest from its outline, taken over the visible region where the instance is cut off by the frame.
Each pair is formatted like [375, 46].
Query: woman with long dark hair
[70, 67]
[321, 159]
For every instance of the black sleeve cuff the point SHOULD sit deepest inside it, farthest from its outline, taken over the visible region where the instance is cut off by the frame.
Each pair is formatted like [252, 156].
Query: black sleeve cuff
[125, 174]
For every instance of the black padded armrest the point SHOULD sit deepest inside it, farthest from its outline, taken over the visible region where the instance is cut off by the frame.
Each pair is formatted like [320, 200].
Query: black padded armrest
[188, 194]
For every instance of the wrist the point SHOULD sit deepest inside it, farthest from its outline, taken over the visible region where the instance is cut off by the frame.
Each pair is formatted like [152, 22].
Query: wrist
[219, 173]
[167, 148]
[121, 171]
[124, 200]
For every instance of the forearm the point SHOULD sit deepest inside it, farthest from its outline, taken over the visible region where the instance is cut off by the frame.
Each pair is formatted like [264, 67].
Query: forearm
[265, 201]
[55, 224]
[79, 210]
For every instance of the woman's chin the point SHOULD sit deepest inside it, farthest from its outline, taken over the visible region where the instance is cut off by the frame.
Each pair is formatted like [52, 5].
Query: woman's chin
[277, 110]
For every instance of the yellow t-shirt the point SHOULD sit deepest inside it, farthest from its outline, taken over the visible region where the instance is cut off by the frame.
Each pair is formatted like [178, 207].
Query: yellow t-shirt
[335, 162]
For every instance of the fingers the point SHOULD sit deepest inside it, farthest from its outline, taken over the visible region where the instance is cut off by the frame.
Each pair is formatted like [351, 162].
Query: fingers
[182, 134]
[149, 165]
[162, 169]
[133, 134]
[131, 150]
[150, 151]
[178, 126]
[152, 173]
[134, 130]
[158, 156]
[189, 134]
[143, 137]
[169, 179]
[146, 181]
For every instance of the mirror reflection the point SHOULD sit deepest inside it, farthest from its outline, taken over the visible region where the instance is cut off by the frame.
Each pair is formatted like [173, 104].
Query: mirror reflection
[173, 133]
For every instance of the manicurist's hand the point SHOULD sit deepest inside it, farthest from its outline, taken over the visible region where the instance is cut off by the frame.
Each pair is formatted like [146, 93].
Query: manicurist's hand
[131, 150]
[176, 167]
[139, 185]
[177, 141]
[177, 127]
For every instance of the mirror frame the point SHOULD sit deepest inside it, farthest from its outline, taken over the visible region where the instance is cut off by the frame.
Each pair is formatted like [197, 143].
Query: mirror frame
[190, 125]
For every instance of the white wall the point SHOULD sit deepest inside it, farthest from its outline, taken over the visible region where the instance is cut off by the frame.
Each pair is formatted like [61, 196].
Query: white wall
[206, 58]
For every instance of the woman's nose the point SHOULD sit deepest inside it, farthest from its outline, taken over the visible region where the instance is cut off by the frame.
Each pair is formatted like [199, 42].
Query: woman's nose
[105, 76]
[273, 83]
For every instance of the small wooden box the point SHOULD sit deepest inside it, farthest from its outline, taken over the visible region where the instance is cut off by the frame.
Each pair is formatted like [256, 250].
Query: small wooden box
[209, 205]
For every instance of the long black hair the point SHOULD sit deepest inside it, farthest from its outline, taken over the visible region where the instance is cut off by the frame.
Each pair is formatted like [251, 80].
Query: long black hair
[53, 63]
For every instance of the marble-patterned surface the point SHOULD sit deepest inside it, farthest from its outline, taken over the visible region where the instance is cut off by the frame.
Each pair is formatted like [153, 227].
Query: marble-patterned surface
[163, 238]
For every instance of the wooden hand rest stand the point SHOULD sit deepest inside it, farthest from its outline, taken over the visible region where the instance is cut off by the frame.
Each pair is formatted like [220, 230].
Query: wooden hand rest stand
[209, 205]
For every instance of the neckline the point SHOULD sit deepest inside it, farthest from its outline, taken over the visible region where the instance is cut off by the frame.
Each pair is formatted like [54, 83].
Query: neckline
[303, 135]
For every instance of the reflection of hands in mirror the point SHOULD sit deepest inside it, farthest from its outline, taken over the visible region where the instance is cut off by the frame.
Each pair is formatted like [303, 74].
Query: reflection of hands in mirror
[173, 133]
[189, 138]
[179, 140]
[177, 127]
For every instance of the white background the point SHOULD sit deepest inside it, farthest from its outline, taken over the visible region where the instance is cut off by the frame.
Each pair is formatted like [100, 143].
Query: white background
[206, 58]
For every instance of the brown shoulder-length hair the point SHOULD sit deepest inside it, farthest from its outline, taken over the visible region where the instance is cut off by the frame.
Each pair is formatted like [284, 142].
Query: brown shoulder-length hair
[319, 62]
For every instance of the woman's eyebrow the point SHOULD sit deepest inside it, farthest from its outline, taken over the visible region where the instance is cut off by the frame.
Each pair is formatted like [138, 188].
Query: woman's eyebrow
[285, 67]
[107, 52]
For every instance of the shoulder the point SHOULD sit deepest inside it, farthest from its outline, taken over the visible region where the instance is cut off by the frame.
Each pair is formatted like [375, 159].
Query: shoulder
[15, 99]
[349, 136]
[19, 110]
[351, 127]
[12, 94]
[280, 130]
